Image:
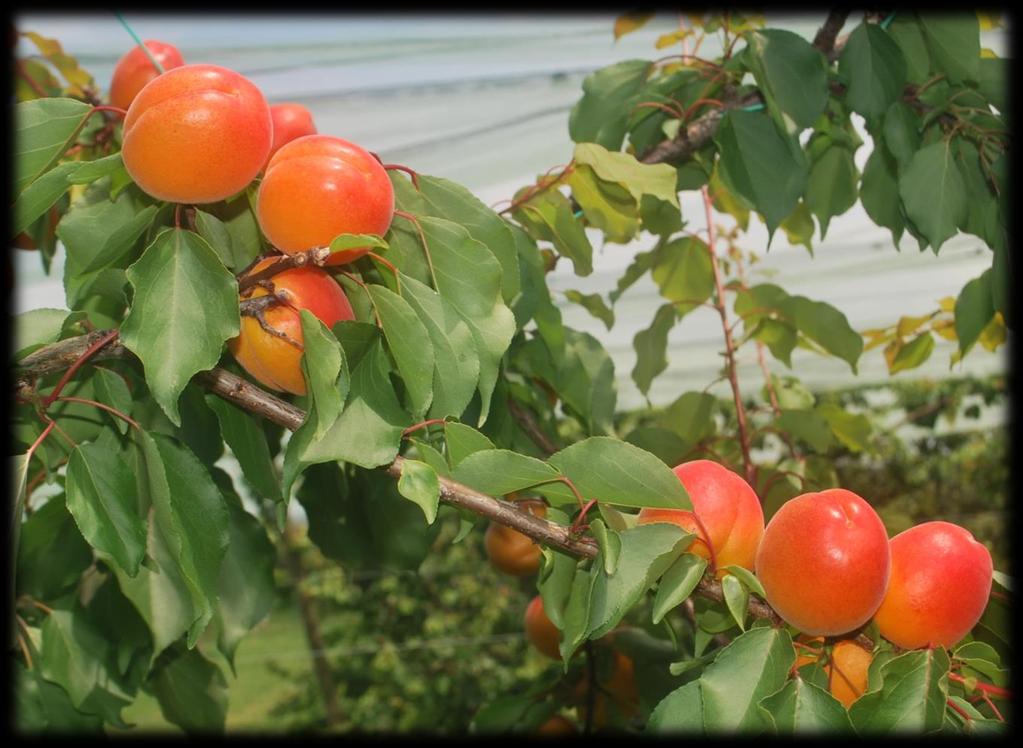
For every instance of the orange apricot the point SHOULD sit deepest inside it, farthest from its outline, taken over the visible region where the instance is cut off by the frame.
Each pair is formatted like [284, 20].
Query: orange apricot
[727, 508]
[540, 630]
[557, 725]
[939, 586]
[846, 667]
[134, 70]
[275, 360]
[319, 186]
[197, 134]
[511, 551]
[824, 562]
[291, 121]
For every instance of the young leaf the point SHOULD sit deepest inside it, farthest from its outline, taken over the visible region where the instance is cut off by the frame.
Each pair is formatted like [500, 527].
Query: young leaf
[736, 599]
[684, 273]
[607, 205]
[418, 483]
[678, 584]
[185, 308]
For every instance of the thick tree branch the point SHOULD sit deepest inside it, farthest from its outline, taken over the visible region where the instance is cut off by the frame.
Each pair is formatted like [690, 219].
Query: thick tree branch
[247, 396]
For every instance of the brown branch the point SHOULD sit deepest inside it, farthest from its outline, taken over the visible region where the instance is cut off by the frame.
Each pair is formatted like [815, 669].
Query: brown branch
[828, 33]
[527, 422]
[315, 256]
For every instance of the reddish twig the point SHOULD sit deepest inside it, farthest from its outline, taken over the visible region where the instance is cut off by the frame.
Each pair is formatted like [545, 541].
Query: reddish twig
[988, 688]
[422, 425]
[101, 406]
[86, 355]
[422, 238]
[411, 172]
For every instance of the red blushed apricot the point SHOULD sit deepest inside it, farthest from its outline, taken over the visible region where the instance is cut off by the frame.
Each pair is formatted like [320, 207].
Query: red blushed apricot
[291, 121]
[846, 667]
[824, 562]
[726, 506]
[509, 550]
[197, 134]
[274, 361]
[134, 70]
[540, 631]
[317, 187]
[939, 586]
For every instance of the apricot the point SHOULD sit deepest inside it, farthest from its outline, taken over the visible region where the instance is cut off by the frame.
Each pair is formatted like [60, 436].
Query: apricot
[846, 668]
[291, 121]
[540, 630]
[134, 70]
[557, 725]
[509, 550]
[939, 586]
[617, 690]
[273, 360]
[727, 508]
[197, 134]
[824, 562]
[319, 186]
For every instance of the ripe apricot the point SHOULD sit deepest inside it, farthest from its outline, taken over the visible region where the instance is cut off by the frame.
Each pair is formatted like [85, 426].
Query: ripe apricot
[824, 562]
[725, 505]
[134, 70]
[291, 121]
[197, 134]
[272, 360]
[557, 725]
[540, 630]
[939, 586]
[846, 668]
[509, 550]
[319, 186]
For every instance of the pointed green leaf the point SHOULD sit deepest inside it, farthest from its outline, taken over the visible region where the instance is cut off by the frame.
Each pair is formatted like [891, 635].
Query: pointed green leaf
[43, 130]
[656, 180]
[953, 40]
[678, 584]
[911, 699]
[801, 708]
[192, 692]
[736, 599]
[974, 308]
[247, 440]
[500, 471]
[873, 65]
[831, 188]
[462, 441]
[933, 193]
[409, 344]
[601, 115]
[651, 347]
[792, 75]
[419, 484]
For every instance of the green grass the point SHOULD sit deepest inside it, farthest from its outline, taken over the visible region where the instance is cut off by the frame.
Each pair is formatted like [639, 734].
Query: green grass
[280, 640]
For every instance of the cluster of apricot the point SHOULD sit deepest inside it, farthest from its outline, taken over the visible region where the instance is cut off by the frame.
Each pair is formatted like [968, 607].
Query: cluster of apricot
[827, 568]
[199, 134]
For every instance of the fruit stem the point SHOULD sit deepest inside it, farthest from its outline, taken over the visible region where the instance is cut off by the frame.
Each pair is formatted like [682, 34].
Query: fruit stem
[962, 713]
[987, 688]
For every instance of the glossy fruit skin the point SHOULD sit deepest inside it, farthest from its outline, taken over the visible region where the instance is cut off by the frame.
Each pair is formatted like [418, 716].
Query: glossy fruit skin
[824, 562]
[939, 586]
[847, 669]
[509, 550]
[134, 70]
[540, 631]
[197, 134]
[273, 361]
[726, 505]
[319, 186]
[557, 725]
[290, 121]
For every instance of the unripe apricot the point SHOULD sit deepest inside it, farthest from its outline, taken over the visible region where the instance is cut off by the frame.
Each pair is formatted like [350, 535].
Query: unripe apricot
[824, 562]
[197, 134]
[134, 70]
[540, 630]
[319, 186]
[511, 551]
[846, 668]
[939, 586]
[272, 360]
[727, 508]
[291, 121]
[557, 725]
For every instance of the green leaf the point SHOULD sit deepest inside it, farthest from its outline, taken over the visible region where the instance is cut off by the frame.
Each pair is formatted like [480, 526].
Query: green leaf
[325, 370]
[691, 416]
[101, 498]
[684, 273]
[808, 426]
[779, 337]
[641, 263]
[933, 193]
[911, 699]
[656, 180]
[953, 40]
[576, 614]
[232, 230]
[901, 133]
[647, 551]
[651, 347]
[419, 484]
[914, 353]
[112, 390]
[245, 587]
[826, 326]
[619, 473]
[791, 73]
[500, 471]
[852, 429]
[736, 599]
[875, 69]
[607, 205]
[803, 708]
[555, 582]
[51, 552]
[38, 327]
[831, 188]
[42, 194]
[678, 584]
[549, 216]
[594, 304]
[748, 578]
[409, 344]
[753, 666]
[761, 164]
[601, 115]
[463, 441]
[879, 193]
[680, 712]
[192, 692]
[907, 33]
[185, 308]
[99, 234]
[609, 544]
[247, 440]
[43, 130]
[994, 82]
[799, 228]
[974, 308]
